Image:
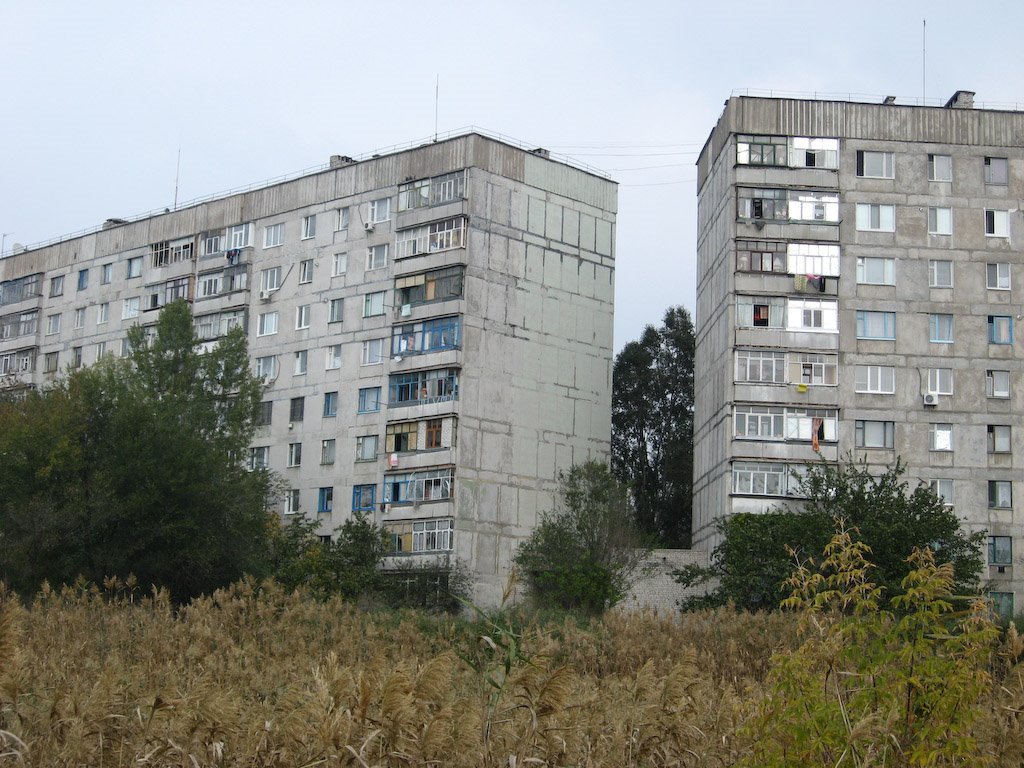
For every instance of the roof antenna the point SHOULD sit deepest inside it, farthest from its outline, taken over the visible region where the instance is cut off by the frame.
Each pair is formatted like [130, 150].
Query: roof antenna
[437, 89]
[924, 40]
[177, 174]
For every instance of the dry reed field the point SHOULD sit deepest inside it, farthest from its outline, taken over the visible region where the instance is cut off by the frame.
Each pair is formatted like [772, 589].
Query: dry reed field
[253, 676]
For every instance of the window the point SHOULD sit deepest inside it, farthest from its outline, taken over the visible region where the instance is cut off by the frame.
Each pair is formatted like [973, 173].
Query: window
[432, 535]
[267, 324]
[760, 422]
[339, 264]
[940, 437]
[305, 271]
[805, 152]
[998, 438]
[325, 500]
[875, 165]
[366, 448]
[997, 276]
[997, 223]
[433, 191]
[422, 485]
[364, 498]
[337, 310]
[328, 451]
[762, 150]
[1002, 604]
[301, 359]
[134, 267]
[102, 313]
[1000, 550]
[760, 312]
[266, 367]
[56, 286]
[436, 285]
[373, 304]
[52, 324]
[876, 325]
[308, 227]
[940, 328]
[83, 279]
[762, 367]
[813, 260]
[401, 438]
[80, 318]
[997, 170]
[876, 218]
[997, 384]
[294, 454]
[373, 352]
[873, 270]
[130, 308]
[333, 358]
[439, 385]
[940, 381]
[940, 221]
[273, 235]
[106, 274]
[429, 238]
[1000, 329]
[330, 404]
[239, 235]
[270, 279]
[302, 314]
[813, 315]
[369, 400]
[379, 210]
[50, 362]
[343, 218]
[874, 434]
[943, 488]
[940, 273]
[940, 168]
[771, 204]
[76, 357]
[433, 434]
[874, 379]
[761, 256]
[209, 285]
[762, 479]
[376, 257]
[266, 414]
[814, 369]
[211, 243]
[291, 501]
[297, 409]
[1000, 494]
[428, 336]
[22, 361]
[259, 457]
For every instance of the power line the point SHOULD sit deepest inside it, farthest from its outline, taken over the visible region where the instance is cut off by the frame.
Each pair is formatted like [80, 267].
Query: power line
[660, 183]
[631, 154]
[651, 167]
[624, 146]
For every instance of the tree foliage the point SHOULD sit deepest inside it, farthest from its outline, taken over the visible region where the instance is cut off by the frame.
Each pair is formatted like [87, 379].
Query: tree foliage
[875, 685]
[581, 556]
[652, 426]
[753, 559]
[135, 465]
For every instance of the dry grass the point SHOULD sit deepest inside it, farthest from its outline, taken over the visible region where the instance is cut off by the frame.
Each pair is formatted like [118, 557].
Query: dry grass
[257, 677]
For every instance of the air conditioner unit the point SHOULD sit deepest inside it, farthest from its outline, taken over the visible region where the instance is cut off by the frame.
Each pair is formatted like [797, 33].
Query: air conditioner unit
[406, 310]
[930, 399]
[392, 460]
[368, 226]
[265, 295]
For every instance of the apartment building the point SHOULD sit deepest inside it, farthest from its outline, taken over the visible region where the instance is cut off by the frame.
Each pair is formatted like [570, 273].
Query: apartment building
[434, 327]
[860, 289]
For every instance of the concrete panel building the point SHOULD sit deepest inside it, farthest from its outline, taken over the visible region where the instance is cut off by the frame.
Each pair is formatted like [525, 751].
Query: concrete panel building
[860, 289]
[434, 326]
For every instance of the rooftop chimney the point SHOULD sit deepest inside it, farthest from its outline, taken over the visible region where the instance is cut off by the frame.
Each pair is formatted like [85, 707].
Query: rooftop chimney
[337, 161]
[961, 100]
[889, 100]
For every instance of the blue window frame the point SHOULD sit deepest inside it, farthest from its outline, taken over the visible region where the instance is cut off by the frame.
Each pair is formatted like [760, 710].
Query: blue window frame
[364, 498]
[876, 325]
[1000, 329]
[369, 400]
[423, 387]
[428, 336]
[940, 329]
[330, 404]
[325, 500]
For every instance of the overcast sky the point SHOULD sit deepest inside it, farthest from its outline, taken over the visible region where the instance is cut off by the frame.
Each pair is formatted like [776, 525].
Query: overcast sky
[98, 97]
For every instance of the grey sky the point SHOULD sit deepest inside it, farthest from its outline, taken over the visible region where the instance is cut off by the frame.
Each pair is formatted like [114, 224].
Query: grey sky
[98, 97]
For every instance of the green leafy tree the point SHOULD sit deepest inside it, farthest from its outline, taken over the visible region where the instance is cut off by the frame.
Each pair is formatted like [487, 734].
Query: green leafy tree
[582, 556]
[652, 426]
[875, 685]
[135, 465]
[752, 562]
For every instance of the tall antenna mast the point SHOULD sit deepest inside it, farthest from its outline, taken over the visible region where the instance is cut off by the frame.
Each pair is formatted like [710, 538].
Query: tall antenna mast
[924, 40]
[177, 174]
[437, 89]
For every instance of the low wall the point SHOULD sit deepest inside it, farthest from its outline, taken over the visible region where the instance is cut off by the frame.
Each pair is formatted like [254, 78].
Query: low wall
[655, 589]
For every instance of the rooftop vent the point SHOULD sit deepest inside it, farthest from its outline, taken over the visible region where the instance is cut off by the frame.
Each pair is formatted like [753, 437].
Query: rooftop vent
[961, 100]
[542, 152]
[889, 100]
[114, 223]
[337, 161]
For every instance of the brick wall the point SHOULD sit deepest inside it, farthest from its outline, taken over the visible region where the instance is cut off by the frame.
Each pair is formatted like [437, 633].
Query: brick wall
[655, 589]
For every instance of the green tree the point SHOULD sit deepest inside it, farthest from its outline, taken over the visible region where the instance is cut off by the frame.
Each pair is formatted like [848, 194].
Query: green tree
[136, 465]
[753, 560]
[582, 556]
[652, 426]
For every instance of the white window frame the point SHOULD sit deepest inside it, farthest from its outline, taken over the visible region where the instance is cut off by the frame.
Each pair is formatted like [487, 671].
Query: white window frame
[997, 276]
[1002, 498]
[133, 267]
[106, 274]
[999, 438]
[239, 236]
[876, 270]
[940, 168]
[940, 381]
[759, 422]
[874, 379]
[295, 454]
[943, 488]
[333, 361]
[940, 221]
[875, 316]
[997, 223]
[760, 361]
[994, 384]
[336, 311]
[309, 227]
[379, 210]
[328, 451]
[876, 217]
[343, 219]
[373, 352]
[366, 447]
[301, 362]
[997, 171]
[268, 323]
[273, 235]
[79, 318]
[292, 501]
[376, 257]
[812, 315]
[270, 279]
[373, 304]
[305, 271]
[130, 308]
[266, 367]
[935, 273]
[102, 313]
[339, 264]
[886, 428]
[303, 315]
[883, 164]
[940, 437]
[820, 259]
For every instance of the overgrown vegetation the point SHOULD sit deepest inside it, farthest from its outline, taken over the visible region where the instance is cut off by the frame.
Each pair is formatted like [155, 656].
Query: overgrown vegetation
[753, 562]
[583, 555]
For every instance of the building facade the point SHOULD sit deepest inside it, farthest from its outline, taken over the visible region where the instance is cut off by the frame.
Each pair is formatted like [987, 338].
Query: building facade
[434, 327]
[860, 289]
